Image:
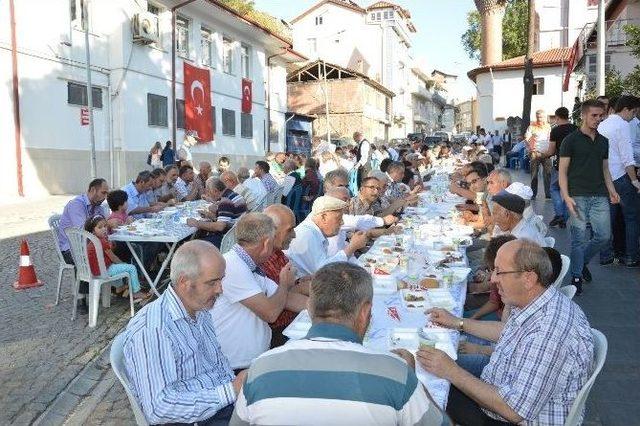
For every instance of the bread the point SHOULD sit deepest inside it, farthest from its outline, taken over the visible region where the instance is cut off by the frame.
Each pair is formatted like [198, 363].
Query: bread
[429, 283]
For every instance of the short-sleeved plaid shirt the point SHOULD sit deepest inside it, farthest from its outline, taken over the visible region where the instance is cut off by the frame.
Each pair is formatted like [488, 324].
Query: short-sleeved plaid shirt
[542, 359]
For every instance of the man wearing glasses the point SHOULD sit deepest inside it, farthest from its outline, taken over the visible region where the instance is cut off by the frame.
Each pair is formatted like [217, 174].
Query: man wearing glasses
[543, 353]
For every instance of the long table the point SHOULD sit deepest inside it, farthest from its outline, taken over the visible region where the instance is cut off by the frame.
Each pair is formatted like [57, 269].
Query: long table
[436, 206]
[167, 227]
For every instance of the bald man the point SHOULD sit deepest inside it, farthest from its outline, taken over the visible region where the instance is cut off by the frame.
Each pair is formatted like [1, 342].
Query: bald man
[285, 222]
[232, 182]
[204, 173]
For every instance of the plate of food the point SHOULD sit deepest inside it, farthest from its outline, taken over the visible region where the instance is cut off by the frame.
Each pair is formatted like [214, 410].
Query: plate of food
[414, 300]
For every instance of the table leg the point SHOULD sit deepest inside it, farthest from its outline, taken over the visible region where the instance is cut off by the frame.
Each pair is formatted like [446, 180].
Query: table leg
[164, 265]
[151, 282]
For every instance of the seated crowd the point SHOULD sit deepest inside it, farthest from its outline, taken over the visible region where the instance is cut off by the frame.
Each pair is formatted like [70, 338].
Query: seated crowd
[211, 348]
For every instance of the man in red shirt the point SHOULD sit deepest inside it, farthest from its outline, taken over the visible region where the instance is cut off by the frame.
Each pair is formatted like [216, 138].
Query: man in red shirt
[285, 222]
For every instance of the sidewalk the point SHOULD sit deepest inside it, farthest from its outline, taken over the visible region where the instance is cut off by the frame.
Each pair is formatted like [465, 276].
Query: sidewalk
[21, 216]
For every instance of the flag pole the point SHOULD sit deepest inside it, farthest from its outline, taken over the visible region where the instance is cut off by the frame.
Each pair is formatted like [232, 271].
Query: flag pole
[92, 137]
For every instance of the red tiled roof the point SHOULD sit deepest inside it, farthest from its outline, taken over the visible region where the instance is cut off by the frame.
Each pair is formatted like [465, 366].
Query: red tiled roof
[542, 59]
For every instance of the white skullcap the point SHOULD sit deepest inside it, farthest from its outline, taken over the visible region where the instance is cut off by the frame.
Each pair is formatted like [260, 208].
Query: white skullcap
[327, 204]
[521, 190]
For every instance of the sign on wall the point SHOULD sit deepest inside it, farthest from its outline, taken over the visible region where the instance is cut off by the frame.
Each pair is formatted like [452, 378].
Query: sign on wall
[84, 116]
[197, 102]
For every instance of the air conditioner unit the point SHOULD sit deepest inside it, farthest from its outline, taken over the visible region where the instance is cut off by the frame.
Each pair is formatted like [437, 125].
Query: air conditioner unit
[145, 28]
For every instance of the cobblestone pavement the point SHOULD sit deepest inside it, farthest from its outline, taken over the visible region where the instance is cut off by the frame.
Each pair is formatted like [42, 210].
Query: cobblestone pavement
[41, 349]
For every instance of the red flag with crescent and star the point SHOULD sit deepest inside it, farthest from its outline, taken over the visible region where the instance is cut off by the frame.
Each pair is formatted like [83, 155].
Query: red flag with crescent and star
[197, 102]
[247, 96]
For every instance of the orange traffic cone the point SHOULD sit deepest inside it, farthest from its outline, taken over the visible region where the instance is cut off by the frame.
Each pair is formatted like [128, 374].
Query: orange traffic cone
[27, 273]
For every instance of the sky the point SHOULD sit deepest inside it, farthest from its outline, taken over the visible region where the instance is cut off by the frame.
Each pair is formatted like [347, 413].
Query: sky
[439, 24]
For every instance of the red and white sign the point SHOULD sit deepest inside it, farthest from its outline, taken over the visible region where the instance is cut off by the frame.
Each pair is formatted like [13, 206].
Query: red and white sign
[84, 116]
[247, 96]
[197, 102]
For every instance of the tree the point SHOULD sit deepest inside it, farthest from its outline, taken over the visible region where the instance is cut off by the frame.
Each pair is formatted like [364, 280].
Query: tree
[514, 31]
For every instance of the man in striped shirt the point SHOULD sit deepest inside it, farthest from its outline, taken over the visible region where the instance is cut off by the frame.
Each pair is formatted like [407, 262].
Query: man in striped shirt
[261, 171]
[329, 378]
[174, 363]
[226, 211]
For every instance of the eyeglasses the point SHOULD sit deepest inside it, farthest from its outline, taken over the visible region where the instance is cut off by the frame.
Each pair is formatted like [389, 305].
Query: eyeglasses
[507, 272]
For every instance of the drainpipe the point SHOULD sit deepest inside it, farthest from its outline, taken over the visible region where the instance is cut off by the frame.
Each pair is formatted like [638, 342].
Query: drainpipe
[173, 68]
[16, 99]
[267, 142]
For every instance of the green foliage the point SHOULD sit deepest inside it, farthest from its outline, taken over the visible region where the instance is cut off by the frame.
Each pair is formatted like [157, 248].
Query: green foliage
[247, 9]
[632, 80]
[514, 31]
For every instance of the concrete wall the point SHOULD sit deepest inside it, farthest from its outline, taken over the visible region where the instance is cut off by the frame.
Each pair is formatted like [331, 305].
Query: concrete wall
[501, 97]
[55, 146]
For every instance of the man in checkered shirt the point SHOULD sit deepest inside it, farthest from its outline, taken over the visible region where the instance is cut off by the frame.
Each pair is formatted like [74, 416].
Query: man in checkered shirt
[543, 355]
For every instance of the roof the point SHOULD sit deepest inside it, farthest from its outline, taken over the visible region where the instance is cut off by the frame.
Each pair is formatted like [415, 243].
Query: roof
[347, 4]
[542, 59]
[314, 67]
[386, 4]
[437, 71]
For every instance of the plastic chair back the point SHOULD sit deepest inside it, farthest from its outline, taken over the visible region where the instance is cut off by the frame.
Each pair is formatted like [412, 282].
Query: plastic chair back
[229, 239]
[568, 290]
[116, 356]
[54, 226]
[78, 239]
[600, 355]
[566, 262]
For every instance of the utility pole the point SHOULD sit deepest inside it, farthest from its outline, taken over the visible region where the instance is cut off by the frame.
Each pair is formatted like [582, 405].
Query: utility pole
[92, 137]
[528, 67]
[600, 53]
[326, 100]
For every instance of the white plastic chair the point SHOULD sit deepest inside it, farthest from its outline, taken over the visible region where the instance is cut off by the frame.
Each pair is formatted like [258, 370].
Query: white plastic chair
[566, 262]
[54, 225]
[78, 240]
[600, 355]
[116, 356]
[568, 290]
[550, 242]
[229, 239]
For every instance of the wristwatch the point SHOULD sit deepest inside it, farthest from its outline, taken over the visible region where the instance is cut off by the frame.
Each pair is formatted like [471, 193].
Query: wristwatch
[461, 325]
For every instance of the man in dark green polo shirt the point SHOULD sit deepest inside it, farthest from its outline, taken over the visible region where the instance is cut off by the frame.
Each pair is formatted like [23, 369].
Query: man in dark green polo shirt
[586, 187]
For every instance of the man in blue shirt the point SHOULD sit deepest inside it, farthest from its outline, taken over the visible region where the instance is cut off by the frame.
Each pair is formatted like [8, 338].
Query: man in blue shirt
[137, 203]
[177, 370]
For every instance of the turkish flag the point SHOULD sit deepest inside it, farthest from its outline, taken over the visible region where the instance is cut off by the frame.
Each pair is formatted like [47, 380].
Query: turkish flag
[197, 102]
[247, 96]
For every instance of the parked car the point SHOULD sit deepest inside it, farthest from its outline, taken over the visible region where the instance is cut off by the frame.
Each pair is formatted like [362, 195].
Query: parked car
[432, 140]
[444, 136]
[415, 136]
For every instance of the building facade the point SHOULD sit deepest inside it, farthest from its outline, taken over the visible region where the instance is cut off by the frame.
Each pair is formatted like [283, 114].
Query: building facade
[500, 87]
[375, 41]
[132, 87]
[561, 21]
[354, 101]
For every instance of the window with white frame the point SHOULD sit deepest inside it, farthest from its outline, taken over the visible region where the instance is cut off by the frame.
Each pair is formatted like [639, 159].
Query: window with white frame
[245, 60]
[313, 45]
[228, 122]
[155, 10]
[227, 55]
[206, 45]
[182, 36]
[592, 62]
[157, 110]
[319, 20]
[246, 125]
[75, 13]
[538, 86]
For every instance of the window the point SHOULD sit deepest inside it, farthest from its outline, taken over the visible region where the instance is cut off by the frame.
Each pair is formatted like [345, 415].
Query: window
[156, 10]
[180, 114]
[246, 125]
[313, 45]
[538, 86]
[206, 46]
[213, 118]
[245, 60]
[182, 36]
[378, 16]
[227, 55]
[372, 16]
[592, 63]
[228, 122]
[77, 95]
[274, 134]
[386, 14]
[157, 110]
[318, 20]
[75, 13]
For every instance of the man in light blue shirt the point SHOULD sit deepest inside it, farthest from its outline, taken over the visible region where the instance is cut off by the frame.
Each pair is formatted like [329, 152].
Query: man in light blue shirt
[137, 203]
[174, 363]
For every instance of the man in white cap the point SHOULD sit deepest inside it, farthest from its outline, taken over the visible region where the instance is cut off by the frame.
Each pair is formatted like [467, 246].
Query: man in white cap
[309, 249]
[507, 215]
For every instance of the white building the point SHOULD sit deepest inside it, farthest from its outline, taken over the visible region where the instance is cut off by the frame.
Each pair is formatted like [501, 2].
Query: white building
[375, 41]
[501, 91]
[560, 21]
[132, 87]
[433, 110]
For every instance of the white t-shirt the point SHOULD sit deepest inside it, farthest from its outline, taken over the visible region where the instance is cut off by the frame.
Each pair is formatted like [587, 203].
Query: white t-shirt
[242, 334]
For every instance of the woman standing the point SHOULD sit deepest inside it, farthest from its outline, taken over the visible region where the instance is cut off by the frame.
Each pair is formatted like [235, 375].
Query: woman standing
[154, 156]
[168, 156]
